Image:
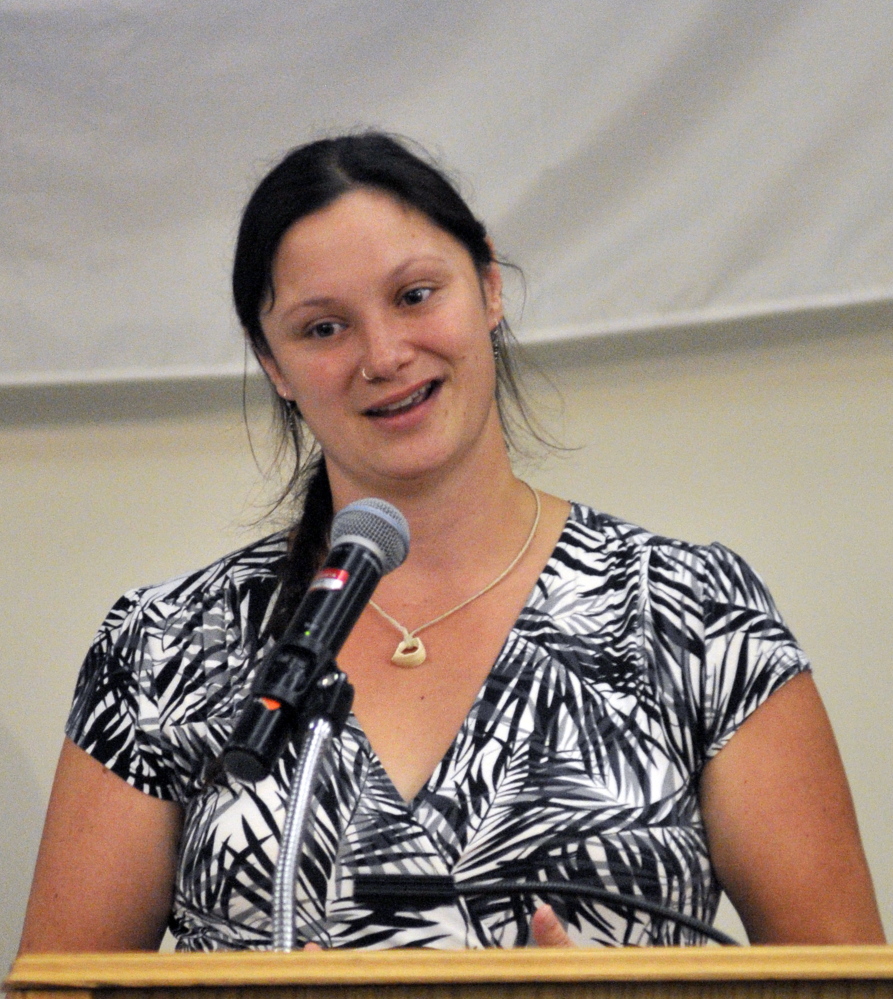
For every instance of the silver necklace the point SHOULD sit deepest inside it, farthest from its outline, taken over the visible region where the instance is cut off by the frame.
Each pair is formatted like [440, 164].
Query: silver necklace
[411, 650]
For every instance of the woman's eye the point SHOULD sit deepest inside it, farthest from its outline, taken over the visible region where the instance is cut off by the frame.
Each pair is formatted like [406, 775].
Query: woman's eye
[415, 296]
[323, 330]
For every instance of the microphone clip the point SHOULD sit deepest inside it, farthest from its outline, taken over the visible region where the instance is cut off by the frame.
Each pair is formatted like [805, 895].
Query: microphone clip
[292, 669]
[282, 704]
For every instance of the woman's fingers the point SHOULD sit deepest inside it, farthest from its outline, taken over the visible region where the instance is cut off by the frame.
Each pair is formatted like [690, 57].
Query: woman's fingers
[545, 926]
[547, 929]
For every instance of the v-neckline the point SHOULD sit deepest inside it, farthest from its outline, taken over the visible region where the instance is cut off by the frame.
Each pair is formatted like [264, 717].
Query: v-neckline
[413, 805]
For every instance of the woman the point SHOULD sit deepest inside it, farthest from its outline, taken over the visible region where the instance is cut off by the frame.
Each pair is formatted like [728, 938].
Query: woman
[542, 692]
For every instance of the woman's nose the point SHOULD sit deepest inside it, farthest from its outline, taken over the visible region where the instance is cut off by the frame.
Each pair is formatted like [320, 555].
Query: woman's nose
[386, 349]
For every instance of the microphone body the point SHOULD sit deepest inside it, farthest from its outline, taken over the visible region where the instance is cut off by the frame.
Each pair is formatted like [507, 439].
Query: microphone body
[299, 673]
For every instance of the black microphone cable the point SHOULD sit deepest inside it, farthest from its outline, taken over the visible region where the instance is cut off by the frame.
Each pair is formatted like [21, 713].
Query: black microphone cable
[428, 891]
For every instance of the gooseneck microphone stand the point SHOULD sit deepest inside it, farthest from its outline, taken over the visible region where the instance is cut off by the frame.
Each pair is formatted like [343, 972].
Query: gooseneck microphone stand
[332, 697]
[299, 693]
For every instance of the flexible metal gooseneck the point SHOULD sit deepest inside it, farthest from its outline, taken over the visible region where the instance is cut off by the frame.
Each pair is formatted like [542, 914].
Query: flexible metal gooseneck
[294, 832]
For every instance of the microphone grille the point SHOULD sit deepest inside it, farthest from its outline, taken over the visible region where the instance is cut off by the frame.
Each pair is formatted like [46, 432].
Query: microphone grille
[377, 522]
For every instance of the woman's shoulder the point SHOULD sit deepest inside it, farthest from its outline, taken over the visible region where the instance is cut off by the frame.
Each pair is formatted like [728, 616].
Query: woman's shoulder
[706, 571]
[591, 529]
[238, 579]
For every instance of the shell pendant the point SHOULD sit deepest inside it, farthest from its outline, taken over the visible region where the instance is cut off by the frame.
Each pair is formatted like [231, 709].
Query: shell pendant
[410, 653]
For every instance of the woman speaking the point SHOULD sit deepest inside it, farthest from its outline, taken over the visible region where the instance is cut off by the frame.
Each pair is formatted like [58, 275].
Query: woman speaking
[543, 692]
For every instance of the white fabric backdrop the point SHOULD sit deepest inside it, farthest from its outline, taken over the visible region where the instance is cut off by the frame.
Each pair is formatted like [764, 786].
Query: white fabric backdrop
[649, 163]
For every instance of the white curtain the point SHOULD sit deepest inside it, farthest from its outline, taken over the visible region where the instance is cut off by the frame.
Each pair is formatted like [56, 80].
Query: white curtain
[648, 163]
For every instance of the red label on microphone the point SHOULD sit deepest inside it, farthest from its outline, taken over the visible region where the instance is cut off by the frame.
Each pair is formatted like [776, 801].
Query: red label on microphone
[329, 579]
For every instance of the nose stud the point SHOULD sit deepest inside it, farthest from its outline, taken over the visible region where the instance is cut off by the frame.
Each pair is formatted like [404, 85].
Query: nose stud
[366, 378]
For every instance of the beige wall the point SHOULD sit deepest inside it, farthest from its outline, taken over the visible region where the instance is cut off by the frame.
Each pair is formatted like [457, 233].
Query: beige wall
[783, 451]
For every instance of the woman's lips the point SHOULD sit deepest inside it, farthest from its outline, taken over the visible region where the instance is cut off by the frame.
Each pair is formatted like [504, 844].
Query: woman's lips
[407, 403]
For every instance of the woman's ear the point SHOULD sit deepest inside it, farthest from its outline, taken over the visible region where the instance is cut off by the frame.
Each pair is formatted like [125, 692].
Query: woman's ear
[491, 281]
[273, 372]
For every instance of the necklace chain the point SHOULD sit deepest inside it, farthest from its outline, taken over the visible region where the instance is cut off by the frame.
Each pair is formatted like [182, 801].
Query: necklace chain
[411, 650]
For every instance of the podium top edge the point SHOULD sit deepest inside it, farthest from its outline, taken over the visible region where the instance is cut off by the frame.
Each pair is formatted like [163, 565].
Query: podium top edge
[355, 967]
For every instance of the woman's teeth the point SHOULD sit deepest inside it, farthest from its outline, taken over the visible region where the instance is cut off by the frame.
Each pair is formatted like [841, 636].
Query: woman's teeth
[404, 404]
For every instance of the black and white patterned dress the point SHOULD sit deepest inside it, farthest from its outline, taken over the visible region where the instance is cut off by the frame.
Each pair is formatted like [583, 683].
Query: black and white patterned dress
[633, 663]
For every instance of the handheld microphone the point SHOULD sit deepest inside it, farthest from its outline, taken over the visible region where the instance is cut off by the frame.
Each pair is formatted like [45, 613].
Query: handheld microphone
[369, 539]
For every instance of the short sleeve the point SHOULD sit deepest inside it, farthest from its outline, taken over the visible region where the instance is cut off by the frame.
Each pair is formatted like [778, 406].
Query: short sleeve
[720, 645]
[171, 666]
[114, 713]
[749, 652]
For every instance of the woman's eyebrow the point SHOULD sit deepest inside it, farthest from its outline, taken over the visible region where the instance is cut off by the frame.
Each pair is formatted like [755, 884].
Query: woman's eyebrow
[325, 301]
[316, 302]
[414, 261]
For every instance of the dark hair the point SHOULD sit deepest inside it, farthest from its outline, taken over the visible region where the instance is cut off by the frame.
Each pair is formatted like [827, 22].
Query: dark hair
[308, 179]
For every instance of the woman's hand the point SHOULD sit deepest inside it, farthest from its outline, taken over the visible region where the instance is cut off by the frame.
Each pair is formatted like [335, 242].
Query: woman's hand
[545, 926]
[547, 929]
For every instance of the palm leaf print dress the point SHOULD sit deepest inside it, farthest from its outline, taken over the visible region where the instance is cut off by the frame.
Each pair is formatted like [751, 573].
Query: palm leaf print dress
[633, 662]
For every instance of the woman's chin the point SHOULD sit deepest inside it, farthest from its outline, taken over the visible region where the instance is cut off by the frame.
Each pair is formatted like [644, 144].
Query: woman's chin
[398, 475]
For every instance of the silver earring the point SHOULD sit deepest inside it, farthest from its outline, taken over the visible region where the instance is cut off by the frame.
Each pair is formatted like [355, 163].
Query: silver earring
[496, 339]
[366, 378]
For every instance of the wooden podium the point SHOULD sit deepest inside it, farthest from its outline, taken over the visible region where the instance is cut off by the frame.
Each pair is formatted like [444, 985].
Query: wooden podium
[622, 973]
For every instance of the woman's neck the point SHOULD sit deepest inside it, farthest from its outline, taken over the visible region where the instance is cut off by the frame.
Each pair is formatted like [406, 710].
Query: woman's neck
[464, 524]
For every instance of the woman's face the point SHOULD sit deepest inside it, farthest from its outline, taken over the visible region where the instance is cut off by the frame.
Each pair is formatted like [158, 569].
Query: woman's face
[379, 331]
